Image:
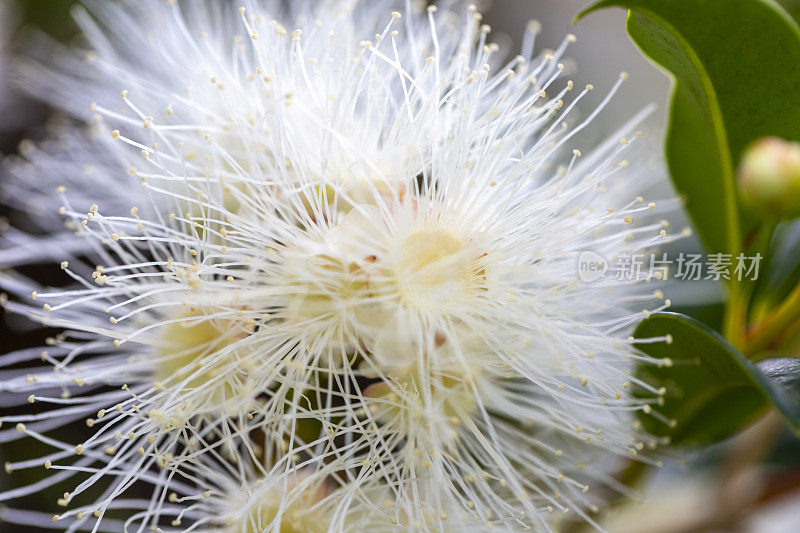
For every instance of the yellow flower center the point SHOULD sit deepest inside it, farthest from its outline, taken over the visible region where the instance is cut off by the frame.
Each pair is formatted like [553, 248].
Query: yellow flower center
[435, 268]
[300, 516]
[196, 347]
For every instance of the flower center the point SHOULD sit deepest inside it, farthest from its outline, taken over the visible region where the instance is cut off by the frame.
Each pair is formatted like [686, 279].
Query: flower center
[198, 349]
[300, 516]
[434, 269]
[431, 389]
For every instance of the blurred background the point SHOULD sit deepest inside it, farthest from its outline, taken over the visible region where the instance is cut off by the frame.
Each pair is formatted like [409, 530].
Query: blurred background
[750, 484]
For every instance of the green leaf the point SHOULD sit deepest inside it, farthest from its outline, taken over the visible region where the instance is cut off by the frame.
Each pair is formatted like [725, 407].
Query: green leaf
[712, 390]
[710, 314]
[51, 16]
[734, 66]
[781, 268]
[792, 6]
[785, 375]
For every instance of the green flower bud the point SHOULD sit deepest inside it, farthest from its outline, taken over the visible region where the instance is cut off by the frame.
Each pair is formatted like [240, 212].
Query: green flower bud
[769, 178]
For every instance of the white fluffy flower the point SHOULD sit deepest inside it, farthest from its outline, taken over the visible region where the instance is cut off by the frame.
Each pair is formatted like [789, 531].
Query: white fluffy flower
[361, 245]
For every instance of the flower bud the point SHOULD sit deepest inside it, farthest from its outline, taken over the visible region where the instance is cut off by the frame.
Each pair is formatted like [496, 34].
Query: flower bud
[769, 177]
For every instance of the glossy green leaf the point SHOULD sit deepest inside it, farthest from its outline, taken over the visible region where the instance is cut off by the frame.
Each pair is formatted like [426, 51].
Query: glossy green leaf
[712, 390]
[710, 314]
[792, 6]
[734, 66]
[784, 374]
[781, 267]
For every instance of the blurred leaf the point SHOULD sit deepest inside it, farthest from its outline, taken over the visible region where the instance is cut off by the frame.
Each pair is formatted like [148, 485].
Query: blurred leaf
[51, 16]
[712, 390]
[709, 314]
[792, 6]
[734, 65]
[781, 270]
[785, 374]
